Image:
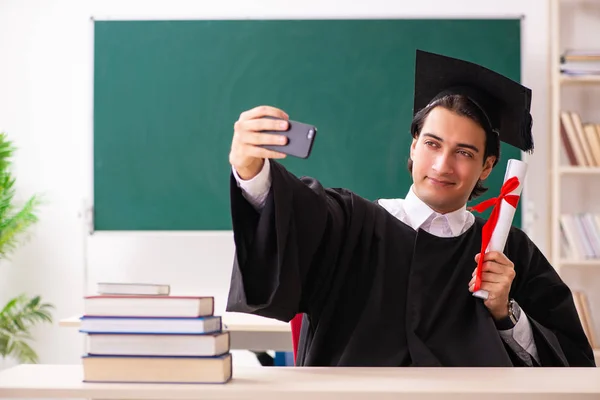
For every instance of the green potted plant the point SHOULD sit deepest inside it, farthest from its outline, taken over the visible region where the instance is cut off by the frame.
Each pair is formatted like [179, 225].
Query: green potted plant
[22, 312]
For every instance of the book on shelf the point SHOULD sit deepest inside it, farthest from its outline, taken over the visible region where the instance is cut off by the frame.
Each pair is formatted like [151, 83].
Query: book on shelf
[580, 62]
[585, 316]
[580, 235]
[139, 289]
[581, 140]
[581, 55]
[133, 337]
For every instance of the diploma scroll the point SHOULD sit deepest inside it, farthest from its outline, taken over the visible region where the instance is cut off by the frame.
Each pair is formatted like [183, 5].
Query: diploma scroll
[505, 207]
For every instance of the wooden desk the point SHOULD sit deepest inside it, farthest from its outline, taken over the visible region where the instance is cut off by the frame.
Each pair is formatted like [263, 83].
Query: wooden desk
[65, 381]
[248, 332]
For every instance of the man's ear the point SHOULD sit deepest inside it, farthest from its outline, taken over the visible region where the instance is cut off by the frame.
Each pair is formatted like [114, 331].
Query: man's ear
[412, 147]
[487, 167]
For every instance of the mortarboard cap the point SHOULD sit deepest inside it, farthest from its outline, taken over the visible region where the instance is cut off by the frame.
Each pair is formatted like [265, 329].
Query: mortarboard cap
[505, 102]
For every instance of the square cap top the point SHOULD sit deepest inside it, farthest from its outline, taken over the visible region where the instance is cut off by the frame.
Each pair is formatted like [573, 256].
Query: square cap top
[505, 102]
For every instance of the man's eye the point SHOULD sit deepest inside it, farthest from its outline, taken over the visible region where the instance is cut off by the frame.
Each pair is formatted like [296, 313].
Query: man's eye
[466, 154]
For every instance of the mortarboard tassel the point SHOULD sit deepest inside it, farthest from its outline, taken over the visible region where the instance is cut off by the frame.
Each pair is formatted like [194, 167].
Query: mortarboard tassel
[526, 128]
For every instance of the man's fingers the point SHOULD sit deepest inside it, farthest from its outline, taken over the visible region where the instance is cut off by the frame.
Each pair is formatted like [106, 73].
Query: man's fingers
[494, 277]
[260, 152]
[490, 266]
[495, 262]
[493, 288]
[263, 111]
[497, 257]
[263, 124]
[245, 152]
[257, 139]
[490, 277]
[499, 269]
[494, 256]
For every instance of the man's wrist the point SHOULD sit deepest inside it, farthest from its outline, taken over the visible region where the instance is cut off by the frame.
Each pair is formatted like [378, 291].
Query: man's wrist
[249, 172]
[510, 319]
[501, 313]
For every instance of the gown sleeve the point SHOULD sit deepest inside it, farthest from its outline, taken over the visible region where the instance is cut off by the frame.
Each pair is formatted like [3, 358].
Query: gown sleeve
[286, 253]
[548, 304]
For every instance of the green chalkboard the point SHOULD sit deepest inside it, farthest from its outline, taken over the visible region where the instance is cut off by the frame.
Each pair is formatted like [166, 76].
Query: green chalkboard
[167, 93]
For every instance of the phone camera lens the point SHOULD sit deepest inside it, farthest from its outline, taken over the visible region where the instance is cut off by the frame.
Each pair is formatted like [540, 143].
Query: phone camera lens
[311, 133]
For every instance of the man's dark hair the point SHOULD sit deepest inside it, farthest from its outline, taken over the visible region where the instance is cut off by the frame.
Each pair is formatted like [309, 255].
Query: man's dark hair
[462, 106]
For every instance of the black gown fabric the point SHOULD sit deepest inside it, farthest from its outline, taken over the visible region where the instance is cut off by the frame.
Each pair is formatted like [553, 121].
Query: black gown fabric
[375, 292]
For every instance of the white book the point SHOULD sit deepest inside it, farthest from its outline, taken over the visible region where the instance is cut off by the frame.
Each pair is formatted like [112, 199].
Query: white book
[568, 224]
[133, 288]
[158, 345]
[210, 324]
[593, 234]
[583, 236]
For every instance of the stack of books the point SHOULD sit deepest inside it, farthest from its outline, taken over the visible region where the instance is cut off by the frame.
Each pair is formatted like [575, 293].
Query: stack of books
[141, 333]
[580, 62]
[581, 139]
[580, 236]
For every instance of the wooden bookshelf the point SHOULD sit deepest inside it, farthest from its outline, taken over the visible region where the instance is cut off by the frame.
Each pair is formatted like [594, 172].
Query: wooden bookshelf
[582, 263]
[560, 170]
[579, 171]
[572, 170]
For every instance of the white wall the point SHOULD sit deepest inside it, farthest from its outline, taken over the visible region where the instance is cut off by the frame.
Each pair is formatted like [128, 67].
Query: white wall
[46, 107]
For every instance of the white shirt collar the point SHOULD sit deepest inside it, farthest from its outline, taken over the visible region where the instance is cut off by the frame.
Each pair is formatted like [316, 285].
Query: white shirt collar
[418, 213]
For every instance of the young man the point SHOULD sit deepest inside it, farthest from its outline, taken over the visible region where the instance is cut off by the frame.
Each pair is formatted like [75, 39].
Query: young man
[389, 283]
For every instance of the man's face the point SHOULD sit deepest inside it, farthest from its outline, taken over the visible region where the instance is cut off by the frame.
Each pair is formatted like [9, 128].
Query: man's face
[448, 160]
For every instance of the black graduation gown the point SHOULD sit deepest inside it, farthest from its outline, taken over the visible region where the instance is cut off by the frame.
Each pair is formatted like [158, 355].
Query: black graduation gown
[375, 292]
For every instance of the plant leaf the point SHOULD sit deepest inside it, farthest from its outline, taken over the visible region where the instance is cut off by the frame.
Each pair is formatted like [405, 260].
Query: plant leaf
[23, 352]
[21, 313]
[16, 320]
[9, 306]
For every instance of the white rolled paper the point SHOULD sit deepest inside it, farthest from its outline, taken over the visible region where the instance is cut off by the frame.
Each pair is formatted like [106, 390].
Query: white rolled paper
[516, 168]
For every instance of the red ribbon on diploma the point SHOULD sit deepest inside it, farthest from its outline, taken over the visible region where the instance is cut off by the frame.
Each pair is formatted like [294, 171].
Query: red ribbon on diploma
[512, 199]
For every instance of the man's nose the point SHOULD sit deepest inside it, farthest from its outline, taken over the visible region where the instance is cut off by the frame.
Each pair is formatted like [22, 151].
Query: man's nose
[443, 164]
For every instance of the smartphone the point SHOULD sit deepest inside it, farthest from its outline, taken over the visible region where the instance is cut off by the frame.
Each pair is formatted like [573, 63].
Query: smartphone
[300, 136]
